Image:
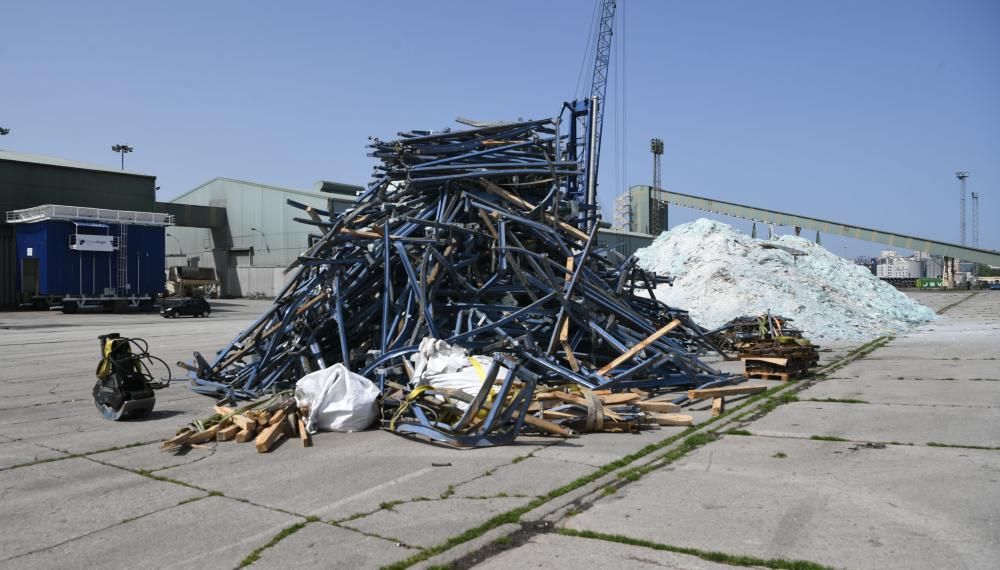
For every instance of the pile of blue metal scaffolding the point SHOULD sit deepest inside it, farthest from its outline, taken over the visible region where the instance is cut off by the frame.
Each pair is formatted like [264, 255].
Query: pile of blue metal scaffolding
[484, 238]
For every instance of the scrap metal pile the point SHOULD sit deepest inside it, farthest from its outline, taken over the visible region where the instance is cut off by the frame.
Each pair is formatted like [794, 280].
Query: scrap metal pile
[472, 237]
[769, 346]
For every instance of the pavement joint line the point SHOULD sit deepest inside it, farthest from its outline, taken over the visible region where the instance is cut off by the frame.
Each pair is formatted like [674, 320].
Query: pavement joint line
[379, 536]
[708, 555]
[211, 492]
[945, 308]
[588, 485]
[835, 401]
[68, 454]
[102, 529]
[837, 439]
[254, 556]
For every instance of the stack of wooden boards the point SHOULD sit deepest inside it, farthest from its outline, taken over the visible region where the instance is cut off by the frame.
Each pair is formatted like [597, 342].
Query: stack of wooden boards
[770, 347]
[784, 358]
[265, 423]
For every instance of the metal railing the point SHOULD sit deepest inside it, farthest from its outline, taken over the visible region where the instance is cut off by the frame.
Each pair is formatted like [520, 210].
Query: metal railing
[57, 212]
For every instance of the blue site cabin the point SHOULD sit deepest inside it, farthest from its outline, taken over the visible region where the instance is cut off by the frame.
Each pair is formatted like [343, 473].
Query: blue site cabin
[89, 255]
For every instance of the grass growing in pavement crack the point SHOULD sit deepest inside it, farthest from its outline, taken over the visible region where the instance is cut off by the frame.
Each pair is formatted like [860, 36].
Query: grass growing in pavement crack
[389, 505]
[780, 455]
[939, 444]
[962, 300]
[735, 431]
[711, 556]
[827, 438]
[839, 400]
[285, 533]
[448, 492]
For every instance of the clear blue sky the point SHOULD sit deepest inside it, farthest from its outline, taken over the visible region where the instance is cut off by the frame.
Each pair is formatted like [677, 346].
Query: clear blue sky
[857, 111]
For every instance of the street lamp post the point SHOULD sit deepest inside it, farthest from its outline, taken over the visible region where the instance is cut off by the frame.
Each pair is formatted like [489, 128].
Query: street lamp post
[179, 247]
[961, 179]
[122, 149]
[263, 237]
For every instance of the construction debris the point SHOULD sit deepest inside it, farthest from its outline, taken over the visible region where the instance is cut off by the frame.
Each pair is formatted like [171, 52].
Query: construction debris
[472, 238]
[263, 422]
[769, 347]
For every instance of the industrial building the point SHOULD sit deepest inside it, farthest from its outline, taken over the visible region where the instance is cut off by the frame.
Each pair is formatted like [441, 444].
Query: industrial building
[257, 237]
[31, 180]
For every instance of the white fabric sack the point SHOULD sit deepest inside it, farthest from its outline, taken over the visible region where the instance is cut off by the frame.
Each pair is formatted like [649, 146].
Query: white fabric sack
[442, 365]
[338, 400]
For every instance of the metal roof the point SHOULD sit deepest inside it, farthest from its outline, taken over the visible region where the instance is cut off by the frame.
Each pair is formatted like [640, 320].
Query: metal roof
[317, 194]
[30, 158]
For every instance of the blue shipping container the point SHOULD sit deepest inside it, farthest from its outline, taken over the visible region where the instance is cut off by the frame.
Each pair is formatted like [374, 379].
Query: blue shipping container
[48, 264]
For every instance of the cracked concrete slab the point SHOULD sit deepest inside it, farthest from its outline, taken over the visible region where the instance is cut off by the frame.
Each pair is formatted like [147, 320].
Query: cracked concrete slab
[20, 452]
[208, 533]
[320, 545]
[828, 502]
[558, 551]
[879, 389]
[598, 449]
[50, 503]
[884, 422]
[351, 472]
[534, 476]
[151, 458]
[429, 523]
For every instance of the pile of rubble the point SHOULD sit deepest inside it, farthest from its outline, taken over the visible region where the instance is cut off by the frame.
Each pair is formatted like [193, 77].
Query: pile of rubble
[720, 273]
[472, 238]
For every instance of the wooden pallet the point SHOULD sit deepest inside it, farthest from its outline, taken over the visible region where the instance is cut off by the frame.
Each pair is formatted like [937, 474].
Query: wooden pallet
[757, 374]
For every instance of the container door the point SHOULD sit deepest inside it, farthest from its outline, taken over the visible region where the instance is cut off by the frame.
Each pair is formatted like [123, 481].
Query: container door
[29, 276]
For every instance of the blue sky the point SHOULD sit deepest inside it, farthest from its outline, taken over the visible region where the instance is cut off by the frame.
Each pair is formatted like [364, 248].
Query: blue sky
[854, 111]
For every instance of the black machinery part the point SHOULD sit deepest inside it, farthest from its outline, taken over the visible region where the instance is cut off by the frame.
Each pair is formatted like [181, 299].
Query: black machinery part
[125, 384]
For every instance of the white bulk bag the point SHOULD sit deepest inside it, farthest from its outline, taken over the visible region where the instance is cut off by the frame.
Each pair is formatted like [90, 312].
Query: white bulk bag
[338, 400]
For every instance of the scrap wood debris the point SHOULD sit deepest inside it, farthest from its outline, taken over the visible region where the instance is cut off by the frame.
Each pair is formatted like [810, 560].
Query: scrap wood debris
[769, 346]
[476, 238]
[264, 422]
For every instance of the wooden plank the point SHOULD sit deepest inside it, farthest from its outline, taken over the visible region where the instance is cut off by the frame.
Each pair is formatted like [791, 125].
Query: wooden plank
[223, 410]
[670, 419]
[204, 435]
[304, 435]
[725, 391]
[662, 407]
[769, 359]
[267, 438]
[718, 406]
[638, 347]
[619, 399]
[277, 417]
[243, 421]
[228, 433]
[262, 418]
[247, 434]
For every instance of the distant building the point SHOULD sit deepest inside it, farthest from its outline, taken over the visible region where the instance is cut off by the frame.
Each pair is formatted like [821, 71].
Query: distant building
[30, 180]
[258, 237]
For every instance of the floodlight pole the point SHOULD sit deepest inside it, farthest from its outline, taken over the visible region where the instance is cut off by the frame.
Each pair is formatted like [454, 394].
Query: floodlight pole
[122, 149]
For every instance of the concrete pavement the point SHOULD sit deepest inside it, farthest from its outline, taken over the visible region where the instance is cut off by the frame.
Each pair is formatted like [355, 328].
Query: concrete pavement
[82, 489]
